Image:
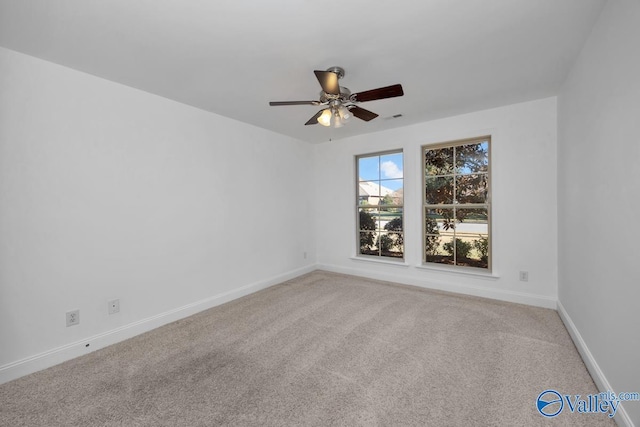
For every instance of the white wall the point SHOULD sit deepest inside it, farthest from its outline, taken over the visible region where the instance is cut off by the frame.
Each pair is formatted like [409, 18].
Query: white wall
[524, 202]
[109, 192]
[599, 199]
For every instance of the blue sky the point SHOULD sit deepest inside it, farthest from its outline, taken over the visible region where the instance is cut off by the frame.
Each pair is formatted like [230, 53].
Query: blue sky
[387, 168]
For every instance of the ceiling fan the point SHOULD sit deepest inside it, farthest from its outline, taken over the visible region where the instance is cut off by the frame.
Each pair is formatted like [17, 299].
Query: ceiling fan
[339, 102]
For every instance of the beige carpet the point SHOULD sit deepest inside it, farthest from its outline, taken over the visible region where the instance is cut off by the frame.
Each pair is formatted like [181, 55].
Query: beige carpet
[323, 349]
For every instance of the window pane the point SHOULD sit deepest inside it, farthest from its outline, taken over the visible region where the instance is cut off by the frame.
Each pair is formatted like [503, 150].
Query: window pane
[431, 245]
[444, 220]
[390, 244]
[439, 190]
[391, 166]
[368, 222]
[480, 252]
[368, 219]
[368, 193]
[388, 186]
[368, 243]
[439, 161]
[398, 197]
[441, 253]
[432, 233]
[476, 219]
[392, 220]
[472, 158]
[368, 168]
[471, 188]
[392, 192]
[472, 238]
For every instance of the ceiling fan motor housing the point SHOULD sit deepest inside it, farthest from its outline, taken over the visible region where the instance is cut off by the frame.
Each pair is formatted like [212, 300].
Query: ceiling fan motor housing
[337, 70]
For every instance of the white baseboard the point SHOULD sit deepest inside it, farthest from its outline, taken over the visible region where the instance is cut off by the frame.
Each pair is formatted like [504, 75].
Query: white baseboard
[478, 291]
[63, 353]
[622, 417]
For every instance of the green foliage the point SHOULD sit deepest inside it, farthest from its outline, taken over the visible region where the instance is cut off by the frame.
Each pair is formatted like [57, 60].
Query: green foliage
[386, 243]
[471, 188]
[439, 161]
[386, 204]
[462, 248]
[367, 222]
[456, 175]
[386, 200]
[398, 237]
[394, 239]
[432, 238]
[482, 246]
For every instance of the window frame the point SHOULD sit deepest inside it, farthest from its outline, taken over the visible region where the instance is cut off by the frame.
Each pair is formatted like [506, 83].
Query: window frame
[358, 206]
[486, 205]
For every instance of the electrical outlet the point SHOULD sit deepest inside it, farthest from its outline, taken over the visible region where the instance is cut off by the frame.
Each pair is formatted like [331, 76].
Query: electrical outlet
[114, 306]
[73, 317]
[524, 276]
[304, 255]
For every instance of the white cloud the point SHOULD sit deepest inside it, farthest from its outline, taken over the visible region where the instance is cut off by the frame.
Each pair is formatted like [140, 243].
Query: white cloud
[390, 170]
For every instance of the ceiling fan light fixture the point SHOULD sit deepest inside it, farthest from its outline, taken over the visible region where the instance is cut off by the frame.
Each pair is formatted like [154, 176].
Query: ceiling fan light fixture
[337, 121]
[345, 114]
[325, 117]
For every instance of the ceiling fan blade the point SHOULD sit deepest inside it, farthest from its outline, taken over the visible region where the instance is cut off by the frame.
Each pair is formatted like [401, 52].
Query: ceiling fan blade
[277, 103]
[363, 114]
[329, 81]
[314, 120]
[380, 93]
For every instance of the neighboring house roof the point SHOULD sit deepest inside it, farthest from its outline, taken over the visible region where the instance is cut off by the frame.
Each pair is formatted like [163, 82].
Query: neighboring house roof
[370, 188]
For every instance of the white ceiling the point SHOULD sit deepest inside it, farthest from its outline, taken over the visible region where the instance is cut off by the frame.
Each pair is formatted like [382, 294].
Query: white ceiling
[232, 57]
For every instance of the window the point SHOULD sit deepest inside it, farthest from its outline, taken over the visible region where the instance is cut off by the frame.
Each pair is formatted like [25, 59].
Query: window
[457, 211]
[379, 204]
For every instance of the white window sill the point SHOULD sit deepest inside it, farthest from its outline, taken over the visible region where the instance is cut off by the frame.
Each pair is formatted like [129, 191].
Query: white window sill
[463, 271]
[399, 263]
[402, 263]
